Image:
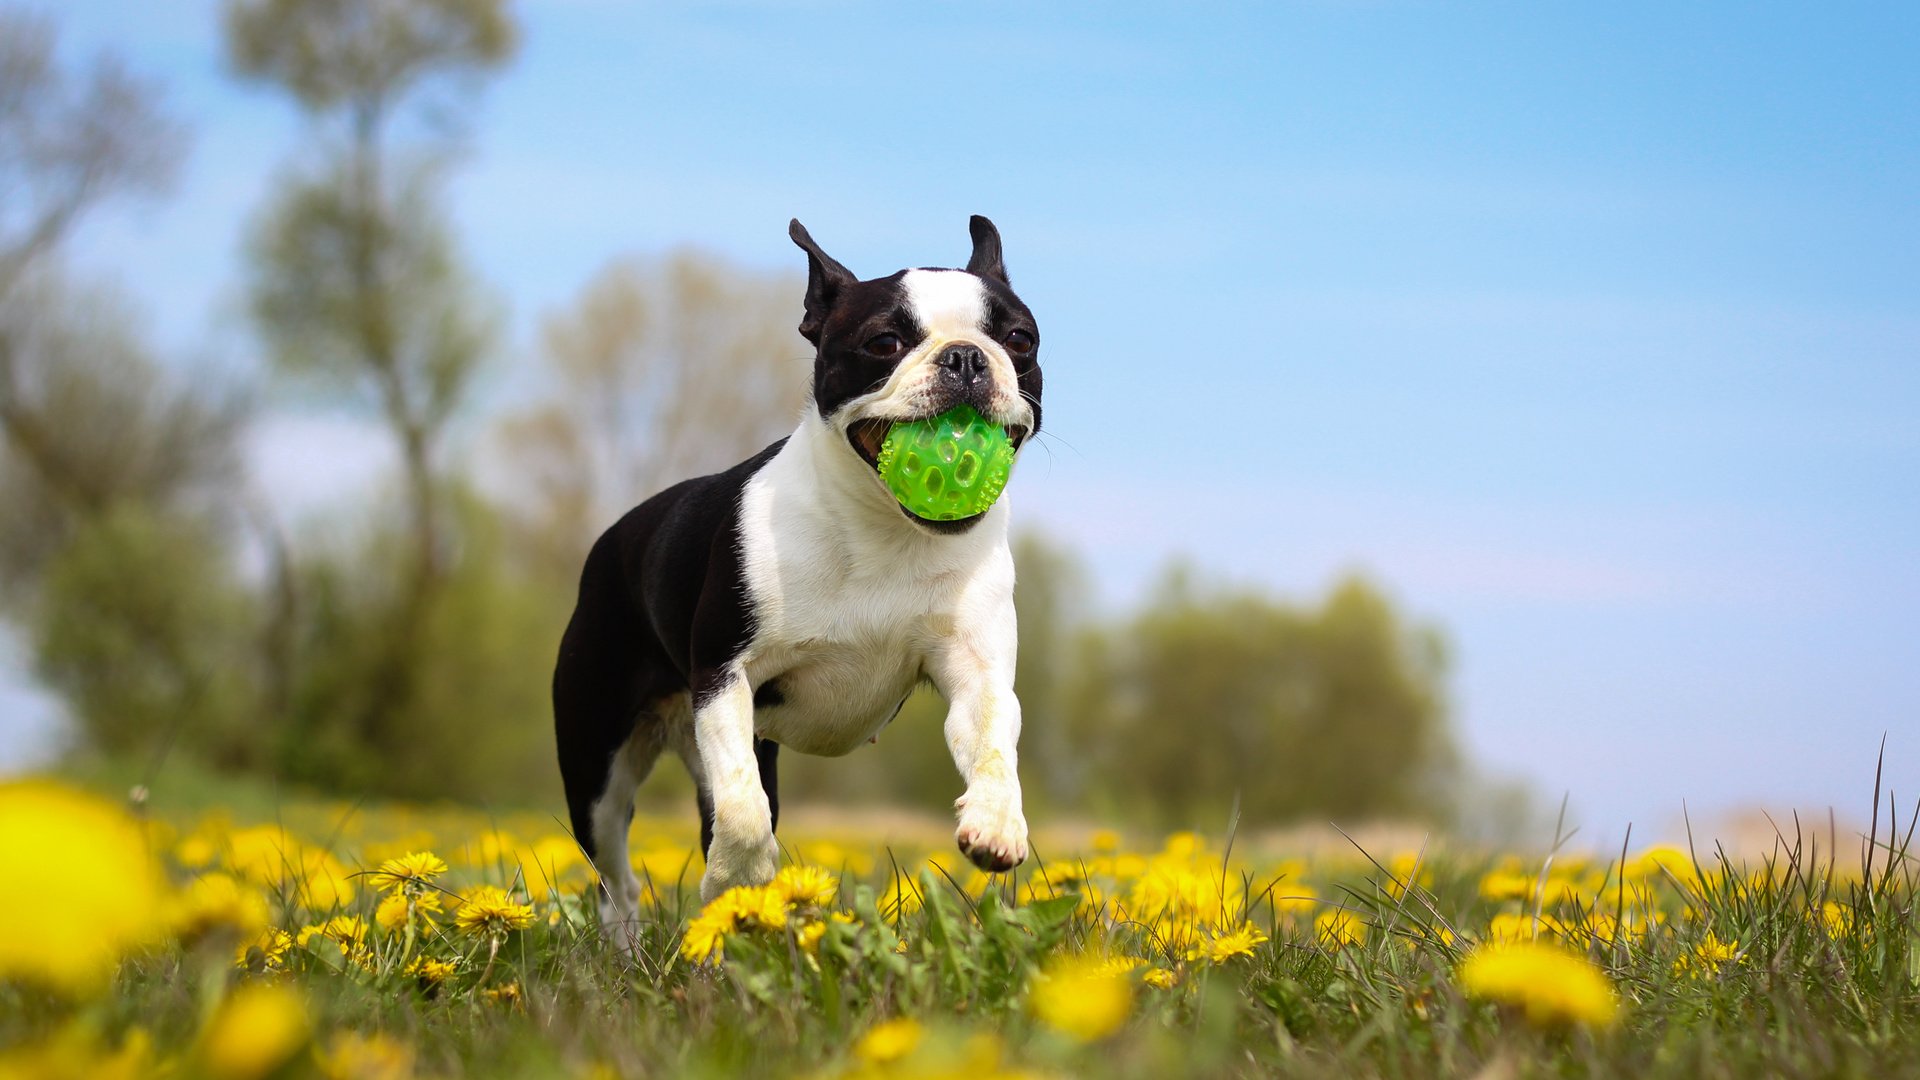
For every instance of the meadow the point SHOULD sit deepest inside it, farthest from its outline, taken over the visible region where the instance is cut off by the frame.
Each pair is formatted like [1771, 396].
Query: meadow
[320, 938]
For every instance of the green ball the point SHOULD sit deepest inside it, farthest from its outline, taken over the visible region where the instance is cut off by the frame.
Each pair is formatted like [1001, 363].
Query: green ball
[947, 467]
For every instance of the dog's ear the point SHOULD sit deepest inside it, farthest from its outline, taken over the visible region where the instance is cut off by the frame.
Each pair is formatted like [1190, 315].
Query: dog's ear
[825, 278]
[986, 260]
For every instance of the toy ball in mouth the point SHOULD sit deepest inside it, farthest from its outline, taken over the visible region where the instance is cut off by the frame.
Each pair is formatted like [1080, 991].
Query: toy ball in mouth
[947, 467]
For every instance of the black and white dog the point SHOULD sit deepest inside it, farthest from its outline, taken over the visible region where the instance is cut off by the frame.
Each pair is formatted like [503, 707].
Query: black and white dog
[792, 601]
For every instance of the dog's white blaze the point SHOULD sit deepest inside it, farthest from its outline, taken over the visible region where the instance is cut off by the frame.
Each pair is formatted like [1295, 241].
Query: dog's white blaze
[948, 304]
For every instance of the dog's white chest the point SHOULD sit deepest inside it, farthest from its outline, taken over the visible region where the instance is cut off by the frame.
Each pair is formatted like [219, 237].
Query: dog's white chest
[834, 658]
[844, 621]
[831, 697]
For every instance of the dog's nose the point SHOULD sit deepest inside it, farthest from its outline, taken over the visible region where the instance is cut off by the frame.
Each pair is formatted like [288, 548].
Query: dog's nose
[965, 363]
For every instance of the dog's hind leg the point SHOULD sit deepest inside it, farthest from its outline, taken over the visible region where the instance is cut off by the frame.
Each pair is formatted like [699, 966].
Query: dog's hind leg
[606, 741]
[610, 820]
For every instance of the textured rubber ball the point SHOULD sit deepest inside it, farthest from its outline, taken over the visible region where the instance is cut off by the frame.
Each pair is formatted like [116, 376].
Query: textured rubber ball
[947, 467]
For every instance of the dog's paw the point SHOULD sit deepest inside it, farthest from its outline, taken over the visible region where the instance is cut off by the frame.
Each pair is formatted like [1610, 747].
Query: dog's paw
[620, 927]
[618, 904]
[746, 862]
[992, 832]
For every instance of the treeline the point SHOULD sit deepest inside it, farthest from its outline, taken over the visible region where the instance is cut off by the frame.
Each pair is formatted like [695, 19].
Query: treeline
[405, 648]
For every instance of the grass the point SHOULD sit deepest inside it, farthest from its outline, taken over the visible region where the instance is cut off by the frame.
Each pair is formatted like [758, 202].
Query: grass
[1178, 958]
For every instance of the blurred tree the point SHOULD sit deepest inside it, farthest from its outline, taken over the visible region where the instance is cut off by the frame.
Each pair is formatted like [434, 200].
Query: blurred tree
[68, 142]
[661, 370]
[119, 481]
[93, 423]
[148, 635]
[357, 286]
[473, 727]
[1335, 711]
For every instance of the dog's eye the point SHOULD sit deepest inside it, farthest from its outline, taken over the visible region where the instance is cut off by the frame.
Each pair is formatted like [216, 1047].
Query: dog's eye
[1019, 343]
[883, 346]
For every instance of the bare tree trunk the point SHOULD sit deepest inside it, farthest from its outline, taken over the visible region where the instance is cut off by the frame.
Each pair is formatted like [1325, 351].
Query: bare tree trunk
[414, 429]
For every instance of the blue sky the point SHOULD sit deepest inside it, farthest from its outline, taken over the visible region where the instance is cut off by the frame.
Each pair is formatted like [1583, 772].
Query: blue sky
[1589, 330]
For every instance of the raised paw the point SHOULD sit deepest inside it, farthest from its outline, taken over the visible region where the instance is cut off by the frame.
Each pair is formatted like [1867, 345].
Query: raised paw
[992, 833]
[748, 862]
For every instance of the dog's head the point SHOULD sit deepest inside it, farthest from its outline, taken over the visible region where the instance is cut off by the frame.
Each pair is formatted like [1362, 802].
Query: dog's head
[917, 343]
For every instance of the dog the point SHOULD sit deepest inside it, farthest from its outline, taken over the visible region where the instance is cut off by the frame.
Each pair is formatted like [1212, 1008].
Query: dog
[792, 601]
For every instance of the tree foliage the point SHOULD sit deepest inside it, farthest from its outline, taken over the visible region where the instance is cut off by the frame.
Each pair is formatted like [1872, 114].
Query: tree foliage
[356, 282]
[1208, 696]
[69, 140]
[358, 292]
[365, 54]
[661, 369]
[475, 723]
[94, 423]
[117, 560]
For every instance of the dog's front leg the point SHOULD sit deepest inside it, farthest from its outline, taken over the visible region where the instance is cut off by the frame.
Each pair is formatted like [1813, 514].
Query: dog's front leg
[743, 851]
[983, 729]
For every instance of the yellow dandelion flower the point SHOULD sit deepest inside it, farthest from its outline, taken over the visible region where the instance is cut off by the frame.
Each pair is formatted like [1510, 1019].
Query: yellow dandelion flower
[269, 856]
[1185, 845]
[761, 906]
[394, 909]
[901, 900]
[266, 952]
[196, 851]
[1337, 928]
[1706, 957]
[347, 931]
[217, 902]
[1224, 947]
[1550, 986]
[1513, 927]
[432, 971]
[1408, 868]
[1500, 885]
[417, 869]
[491, 911]
[1119, 965]
[255, 1031]
[807, 886]
[1298, 903]
[1080, 999]
[706, 936]
[1105, 841]
[1160, 977]
[507, 996]
[809, 936]
[1662, 863]
[82, 886]
[889, 1040]
[1836, 918]
[352, 1056]
[556, 857]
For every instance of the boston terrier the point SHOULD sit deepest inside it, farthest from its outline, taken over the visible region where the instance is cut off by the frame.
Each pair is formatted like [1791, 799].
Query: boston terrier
[793, 601]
